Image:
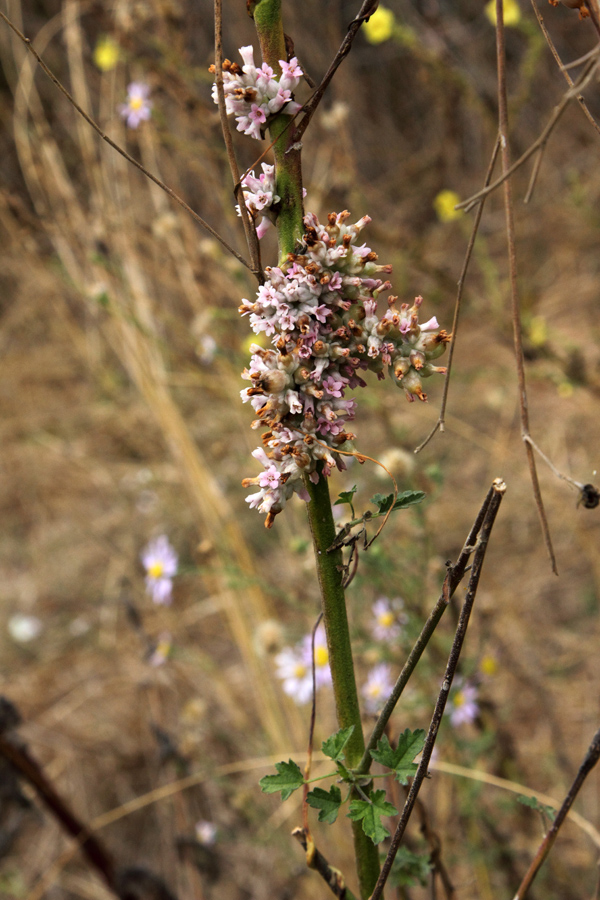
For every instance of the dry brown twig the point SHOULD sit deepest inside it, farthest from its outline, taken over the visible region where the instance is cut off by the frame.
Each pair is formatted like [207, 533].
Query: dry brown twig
[590, 760]
[498, 490]
[582, 82]
[512, 263]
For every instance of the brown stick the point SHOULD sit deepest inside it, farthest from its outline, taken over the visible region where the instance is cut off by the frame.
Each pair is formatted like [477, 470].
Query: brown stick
[512, 263]
[591, 758]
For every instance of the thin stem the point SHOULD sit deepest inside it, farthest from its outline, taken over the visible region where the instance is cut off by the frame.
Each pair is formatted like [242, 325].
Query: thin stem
[584, 79]
[512, 263]
[563, 68]
[120, 149]
[591, 758]
[440, 424]
[499, 489]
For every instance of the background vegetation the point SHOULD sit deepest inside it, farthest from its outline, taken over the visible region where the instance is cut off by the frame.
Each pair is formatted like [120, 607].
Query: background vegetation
[118, 423]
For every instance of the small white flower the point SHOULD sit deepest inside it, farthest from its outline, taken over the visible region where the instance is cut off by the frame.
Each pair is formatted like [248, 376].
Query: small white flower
[23, 629]
[160, 562]
[206, 833]
[378, 687]
[388, 619]
[294, 670]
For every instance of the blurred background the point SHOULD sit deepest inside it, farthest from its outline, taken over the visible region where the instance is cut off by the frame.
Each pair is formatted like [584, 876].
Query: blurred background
[120, 357]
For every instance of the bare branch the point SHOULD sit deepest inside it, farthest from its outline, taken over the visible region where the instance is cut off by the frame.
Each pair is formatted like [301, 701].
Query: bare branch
[315, 860]
[512, 263]
[584, 79]
[498, 490]
[591, 758]
[441, 422]
[367, 9]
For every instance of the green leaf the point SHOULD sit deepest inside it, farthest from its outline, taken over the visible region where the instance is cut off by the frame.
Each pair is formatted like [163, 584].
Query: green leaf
[288, 780]
[346, 496]
[407, 498]
[334, 745]
[409, 869]
[327, 802]
[401, 758]
[534, 803]
[370, 812]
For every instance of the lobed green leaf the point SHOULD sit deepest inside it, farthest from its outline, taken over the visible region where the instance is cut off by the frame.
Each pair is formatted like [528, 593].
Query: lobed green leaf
[370, 812]
[400, 758]
[327, 802]
[288, 780]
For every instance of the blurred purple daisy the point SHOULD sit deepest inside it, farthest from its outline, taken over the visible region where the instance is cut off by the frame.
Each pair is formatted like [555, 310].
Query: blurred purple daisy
[138, 106]
[388, 619]
[160, 562]
[377, 687]
[463, 704]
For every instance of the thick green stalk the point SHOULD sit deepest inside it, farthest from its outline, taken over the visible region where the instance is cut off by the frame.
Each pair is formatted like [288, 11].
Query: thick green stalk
[267, 18]
[340, 660]
[288, 168]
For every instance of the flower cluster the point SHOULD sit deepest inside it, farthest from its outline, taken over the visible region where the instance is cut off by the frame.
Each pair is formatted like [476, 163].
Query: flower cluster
[294, 667]
[252, 95]
[320, 309]
[138, 106]
[160, 562]
[259, 194]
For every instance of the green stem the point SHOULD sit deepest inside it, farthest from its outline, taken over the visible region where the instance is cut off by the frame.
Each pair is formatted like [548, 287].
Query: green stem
[340, 659]
[269, 26]
[288, 166]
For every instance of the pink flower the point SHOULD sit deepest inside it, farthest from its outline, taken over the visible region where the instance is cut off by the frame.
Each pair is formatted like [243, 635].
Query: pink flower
[138, 106]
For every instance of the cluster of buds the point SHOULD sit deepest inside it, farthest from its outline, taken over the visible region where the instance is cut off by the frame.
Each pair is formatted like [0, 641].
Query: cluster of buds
[320, 309]
[252, 95]
[259, 194]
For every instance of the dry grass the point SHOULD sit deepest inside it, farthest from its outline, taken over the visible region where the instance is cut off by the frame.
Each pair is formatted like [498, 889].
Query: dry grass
[114, 430]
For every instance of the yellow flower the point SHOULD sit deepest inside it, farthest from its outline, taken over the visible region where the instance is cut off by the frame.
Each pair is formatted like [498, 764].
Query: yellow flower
[106, 54]
[444, 205]
[565, 389]
[488, 665]
[380, 26]
[512, 12]
[538, 331]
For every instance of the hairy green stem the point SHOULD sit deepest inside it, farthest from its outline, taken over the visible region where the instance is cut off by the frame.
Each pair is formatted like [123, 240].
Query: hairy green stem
[267, 18]
[288, 168]
[340, 659]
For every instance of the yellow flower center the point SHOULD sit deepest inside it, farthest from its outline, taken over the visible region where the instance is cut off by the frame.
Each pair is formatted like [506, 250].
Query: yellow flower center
[374, 690]
[386, 619]
[136, 103]
[300, 670]
[488, 665]
[155, 570]
[321, 656]
[459, 699]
